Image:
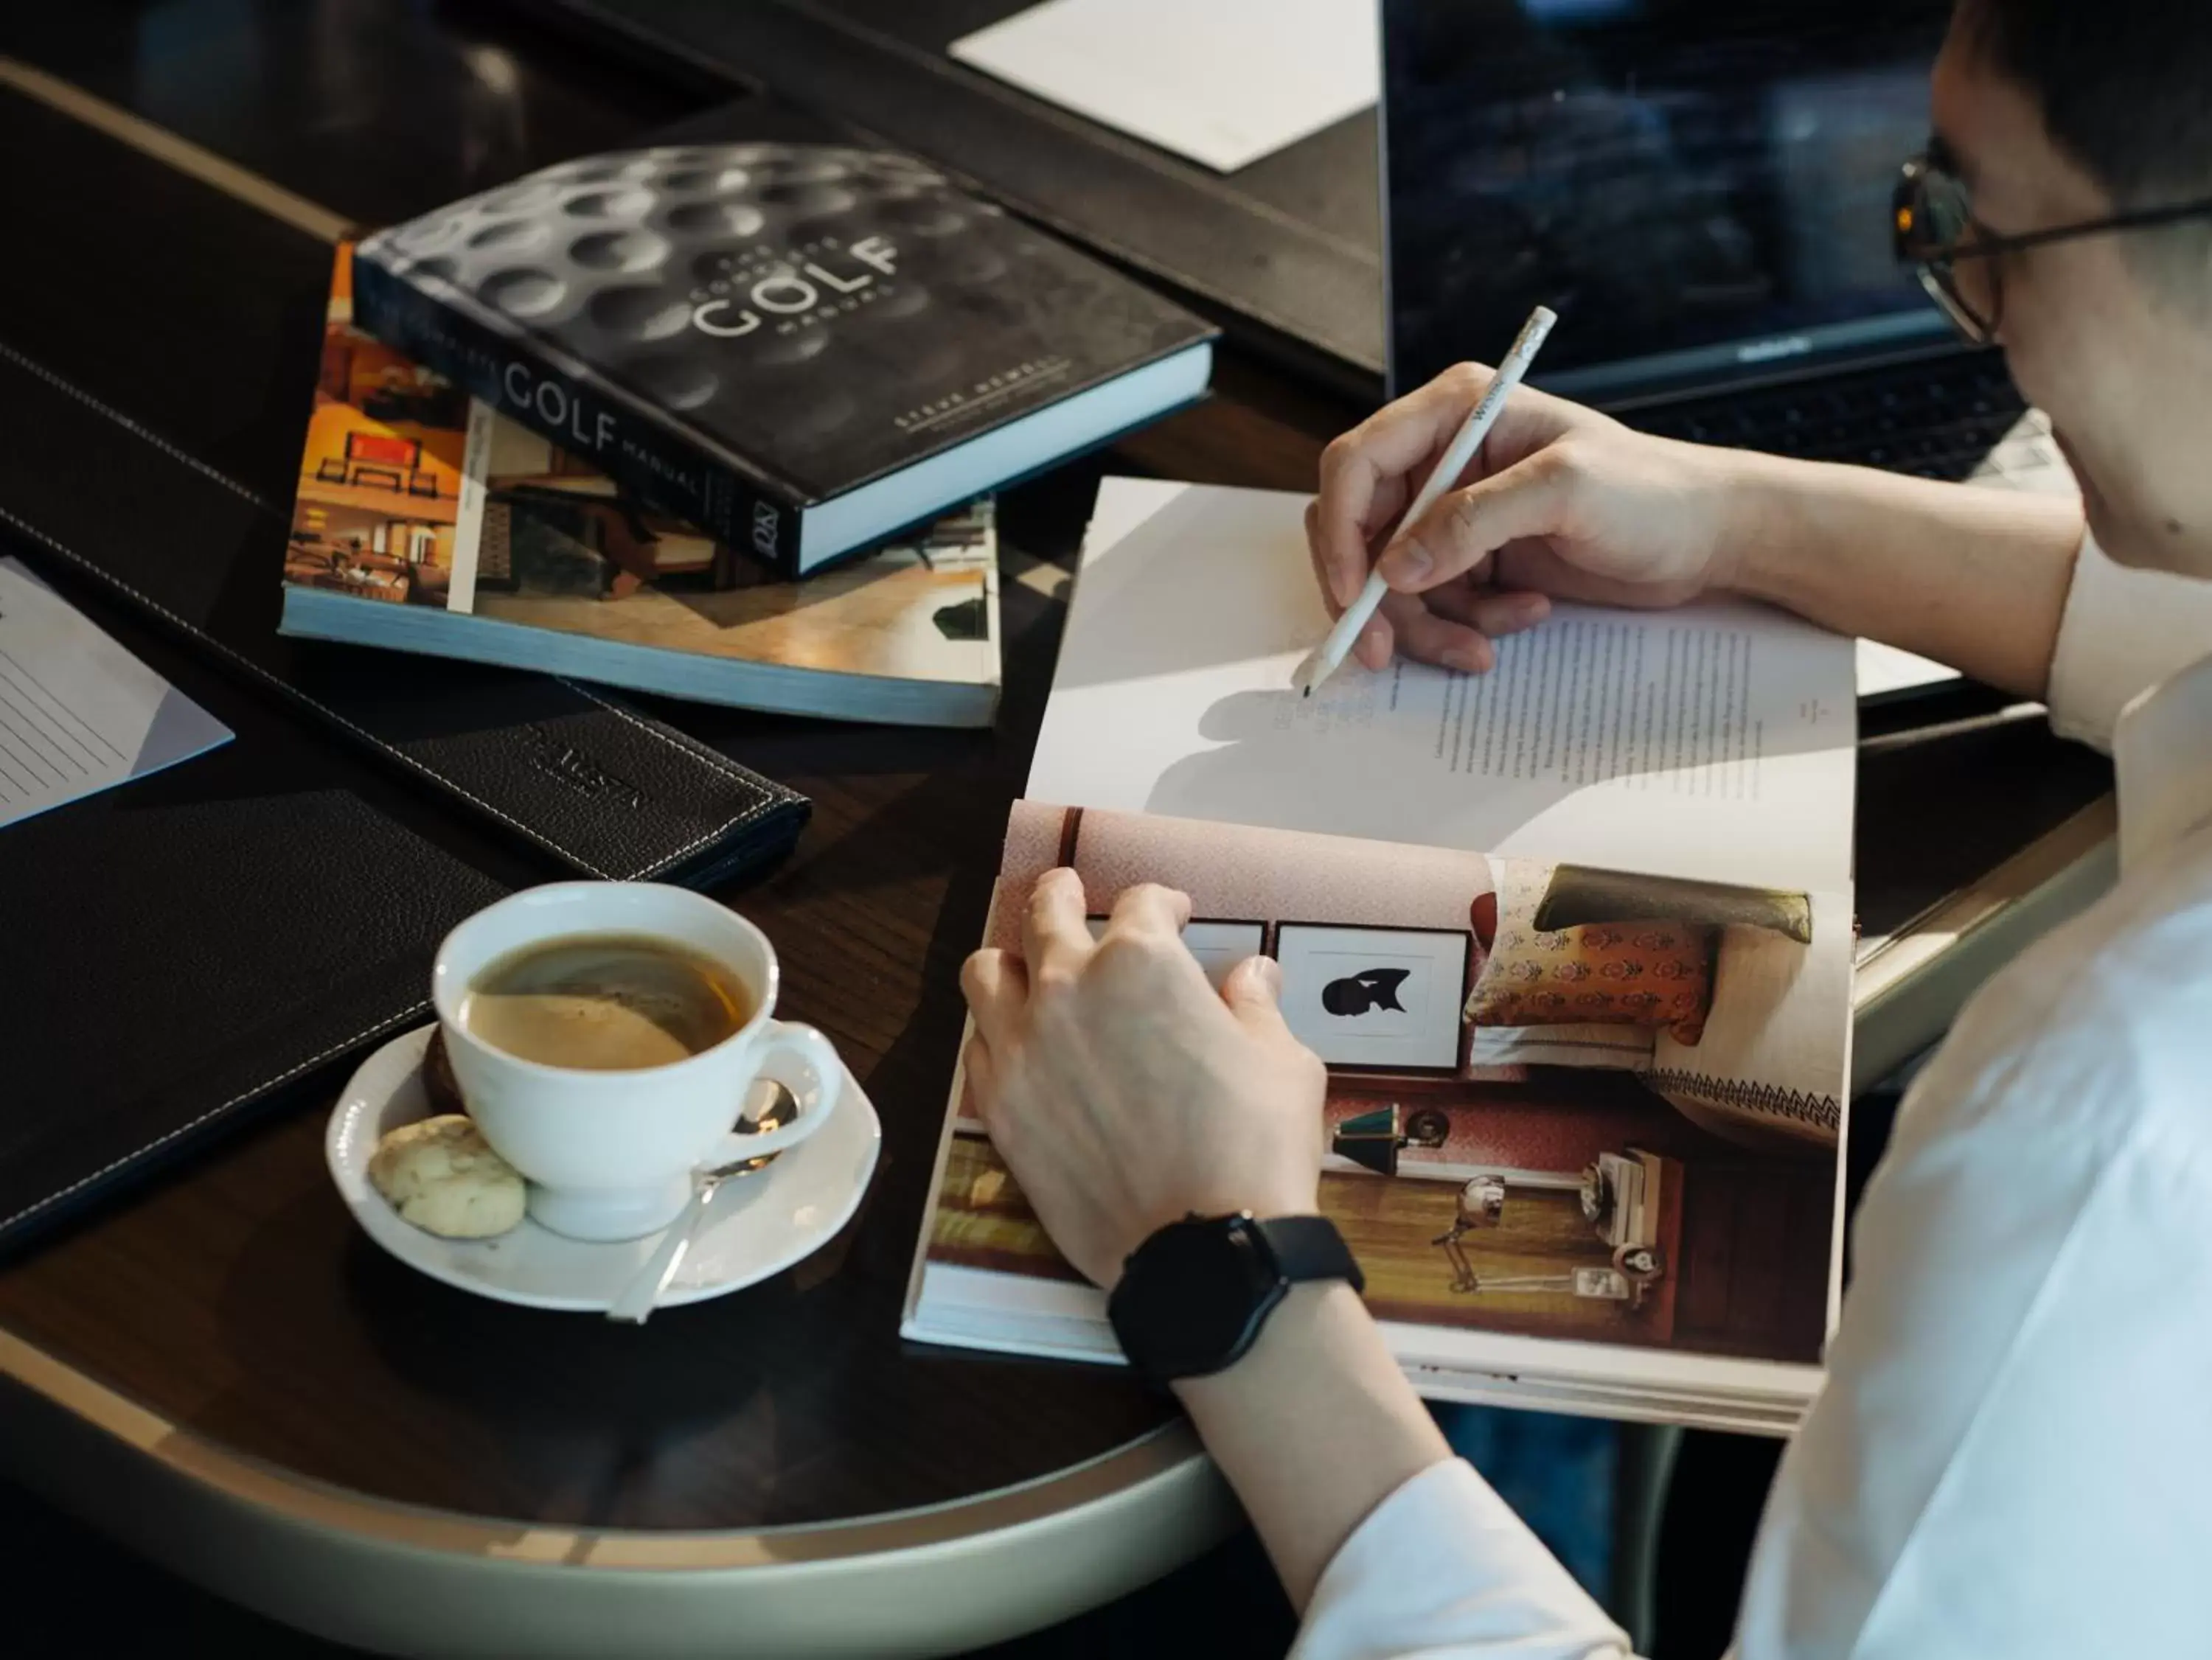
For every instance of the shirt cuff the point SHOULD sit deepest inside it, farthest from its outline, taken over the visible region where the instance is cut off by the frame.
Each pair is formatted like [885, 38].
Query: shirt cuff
[2123, 631]
[1444, 1566]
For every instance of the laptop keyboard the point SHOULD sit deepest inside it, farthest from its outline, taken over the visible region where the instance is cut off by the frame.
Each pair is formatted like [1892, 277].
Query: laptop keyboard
[1953, 418]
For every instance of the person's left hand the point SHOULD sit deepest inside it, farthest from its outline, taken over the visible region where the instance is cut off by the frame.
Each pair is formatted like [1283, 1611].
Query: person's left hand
[1123, 1091]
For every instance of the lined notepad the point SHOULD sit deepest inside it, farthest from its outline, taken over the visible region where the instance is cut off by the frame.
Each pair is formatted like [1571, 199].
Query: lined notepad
[78, 713]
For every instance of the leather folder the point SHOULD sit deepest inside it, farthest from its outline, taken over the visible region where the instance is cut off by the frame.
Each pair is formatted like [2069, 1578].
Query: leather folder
[152, 406]
[174, 952]
[192, 948]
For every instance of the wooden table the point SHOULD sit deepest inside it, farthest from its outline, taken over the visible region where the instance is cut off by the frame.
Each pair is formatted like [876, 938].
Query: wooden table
[223, 1372]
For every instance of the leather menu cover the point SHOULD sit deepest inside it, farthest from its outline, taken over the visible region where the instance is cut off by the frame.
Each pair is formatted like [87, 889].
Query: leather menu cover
[178, 950]
[151, 444]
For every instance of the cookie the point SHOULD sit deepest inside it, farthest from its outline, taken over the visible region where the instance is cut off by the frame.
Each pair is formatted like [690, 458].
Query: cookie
[442, 1176]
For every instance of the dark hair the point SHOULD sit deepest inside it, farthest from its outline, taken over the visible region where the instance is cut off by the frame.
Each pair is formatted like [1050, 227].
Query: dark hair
[2125, 86]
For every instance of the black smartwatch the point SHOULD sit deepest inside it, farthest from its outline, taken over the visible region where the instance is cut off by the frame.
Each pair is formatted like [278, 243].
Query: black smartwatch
[1193, 1297]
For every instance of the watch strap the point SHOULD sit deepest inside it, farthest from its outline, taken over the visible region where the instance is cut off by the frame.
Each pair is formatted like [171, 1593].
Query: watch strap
[1307, 1248]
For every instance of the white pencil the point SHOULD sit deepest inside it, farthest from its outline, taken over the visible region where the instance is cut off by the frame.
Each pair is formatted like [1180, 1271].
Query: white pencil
[1325, 658]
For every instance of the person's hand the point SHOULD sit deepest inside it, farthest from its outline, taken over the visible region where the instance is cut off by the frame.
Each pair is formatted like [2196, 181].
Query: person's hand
[1561, 503]
[1123, 1091]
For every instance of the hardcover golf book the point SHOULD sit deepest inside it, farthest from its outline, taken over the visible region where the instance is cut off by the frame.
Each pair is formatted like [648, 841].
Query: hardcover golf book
[426, 522]
[800, 348]
[1574, 941]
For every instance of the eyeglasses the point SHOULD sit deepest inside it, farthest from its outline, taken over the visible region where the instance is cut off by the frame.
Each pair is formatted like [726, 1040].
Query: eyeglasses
[1933, 226]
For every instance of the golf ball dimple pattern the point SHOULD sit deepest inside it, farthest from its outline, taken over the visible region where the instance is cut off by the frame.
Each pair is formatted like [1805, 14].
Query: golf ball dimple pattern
[809, 201]
[784, 351]
[681, 383]
[923, 215]
[513, 234]
[524, 198]
[696, 181]
[524, 291]
[619, 251]
[639, 313]
[720, 219]
[611, 257]
[907, 302]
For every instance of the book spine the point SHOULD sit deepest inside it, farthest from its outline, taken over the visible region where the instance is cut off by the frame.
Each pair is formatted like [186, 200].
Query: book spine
[665, 472]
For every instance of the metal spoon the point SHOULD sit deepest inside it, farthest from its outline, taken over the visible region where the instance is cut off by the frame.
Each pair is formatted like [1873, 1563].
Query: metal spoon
[642, 1295]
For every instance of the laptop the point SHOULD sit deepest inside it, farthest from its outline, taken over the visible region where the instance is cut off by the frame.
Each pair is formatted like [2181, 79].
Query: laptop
[1701, 190]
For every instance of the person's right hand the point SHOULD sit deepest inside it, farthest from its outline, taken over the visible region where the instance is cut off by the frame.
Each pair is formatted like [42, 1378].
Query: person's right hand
[1123, 1091]
[1561, 503]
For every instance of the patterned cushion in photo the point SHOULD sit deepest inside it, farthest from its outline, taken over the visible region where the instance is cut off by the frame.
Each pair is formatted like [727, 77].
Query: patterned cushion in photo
[1654, 974]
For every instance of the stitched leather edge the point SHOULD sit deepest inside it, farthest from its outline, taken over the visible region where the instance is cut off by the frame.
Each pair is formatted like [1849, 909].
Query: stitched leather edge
[186, 1128]
[776, 795]
[137, 429]
[700, 752]
[250, 666]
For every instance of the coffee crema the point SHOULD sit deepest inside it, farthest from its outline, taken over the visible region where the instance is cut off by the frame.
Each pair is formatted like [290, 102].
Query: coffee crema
[604, 1003]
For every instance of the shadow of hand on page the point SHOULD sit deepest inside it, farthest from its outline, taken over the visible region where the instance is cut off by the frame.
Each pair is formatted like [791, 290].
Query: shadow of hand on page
[1327, 764]
[1660, 715]
[1205, 581]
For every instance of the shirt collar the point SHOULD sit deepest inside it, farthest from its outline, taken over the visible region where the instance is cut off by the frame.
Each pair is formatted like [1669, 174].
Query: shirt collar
[2162, 749]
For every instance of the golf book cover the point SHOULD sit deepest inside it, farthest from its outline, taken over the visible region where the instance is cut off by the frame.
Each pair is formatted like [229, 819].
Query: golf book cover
[800, 348]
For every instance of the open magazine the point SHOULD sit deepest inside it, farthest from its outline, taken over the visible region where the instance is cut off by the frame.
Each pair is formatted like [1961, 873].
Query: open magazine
[1586, 1107]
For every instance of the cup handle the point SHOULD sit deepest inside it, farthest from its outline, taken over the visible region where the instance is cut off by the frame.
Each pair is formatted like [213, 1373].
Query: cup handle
[804, 1062]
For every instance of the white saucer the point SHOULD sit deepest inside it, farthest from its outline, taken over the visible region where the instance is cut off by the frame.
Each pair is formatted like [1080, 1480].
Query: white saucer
[758, 1225]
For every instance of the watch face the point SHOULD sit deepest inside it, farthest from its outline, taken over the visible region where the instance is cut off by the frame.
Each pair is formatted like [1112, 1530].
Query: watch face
[1192, 1297]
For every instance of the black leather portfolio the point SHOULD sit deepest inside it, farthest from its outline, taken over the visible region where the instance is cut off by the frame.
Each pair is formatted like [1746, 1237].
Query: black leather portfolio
[152, 447]
[178, 951]
[175, 951]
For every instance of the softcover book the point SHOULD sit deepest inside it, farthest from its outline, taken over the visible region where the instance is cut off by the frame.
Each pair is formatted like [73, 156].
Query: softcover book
[801, 349]
[425, 521]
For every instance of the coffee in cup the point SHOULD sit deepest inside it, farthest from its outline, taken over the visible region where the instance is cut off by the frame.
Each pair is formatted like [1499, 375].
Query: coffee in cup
[604, 1003]
[604, 1035]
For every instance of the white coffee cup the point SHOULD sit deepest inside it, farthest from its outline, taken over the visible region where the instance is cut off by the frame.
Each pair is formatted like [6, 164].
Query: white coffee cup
[613, 1155]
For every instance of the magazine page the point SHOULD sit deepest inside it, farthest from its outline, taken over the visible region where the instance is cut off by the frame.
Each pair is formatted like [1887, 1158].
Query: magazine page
[563, 547]
[377, 513]
[1724, 733]
[1501, 1035]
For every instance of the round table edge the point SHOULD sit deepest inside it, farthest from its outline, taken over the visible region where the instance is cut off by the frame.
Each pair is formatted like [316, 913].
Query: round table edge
[404, 1579]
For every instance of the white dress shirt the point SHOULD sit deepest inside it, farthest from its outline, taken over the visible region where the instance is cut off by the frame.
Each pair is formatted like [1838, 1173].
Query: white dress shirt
[2012, 1455]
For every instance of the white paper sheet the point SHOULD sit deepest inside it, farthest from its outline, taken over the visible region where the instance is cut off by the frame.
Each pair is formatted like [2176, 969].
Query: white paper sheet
[1885, 672]
[1221, 82]
[78, 713]
[1718, 741]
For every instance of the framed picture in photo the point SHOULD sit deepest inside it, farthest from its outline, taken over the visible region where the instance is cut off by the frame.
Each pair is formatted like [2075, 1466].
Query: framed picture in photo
[1219, 946]
[1375, 996]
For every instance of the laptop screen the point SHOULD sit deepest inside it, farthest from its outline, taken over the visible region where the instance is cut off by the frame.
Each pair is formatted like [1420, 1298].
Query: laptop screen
[1699, 188]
